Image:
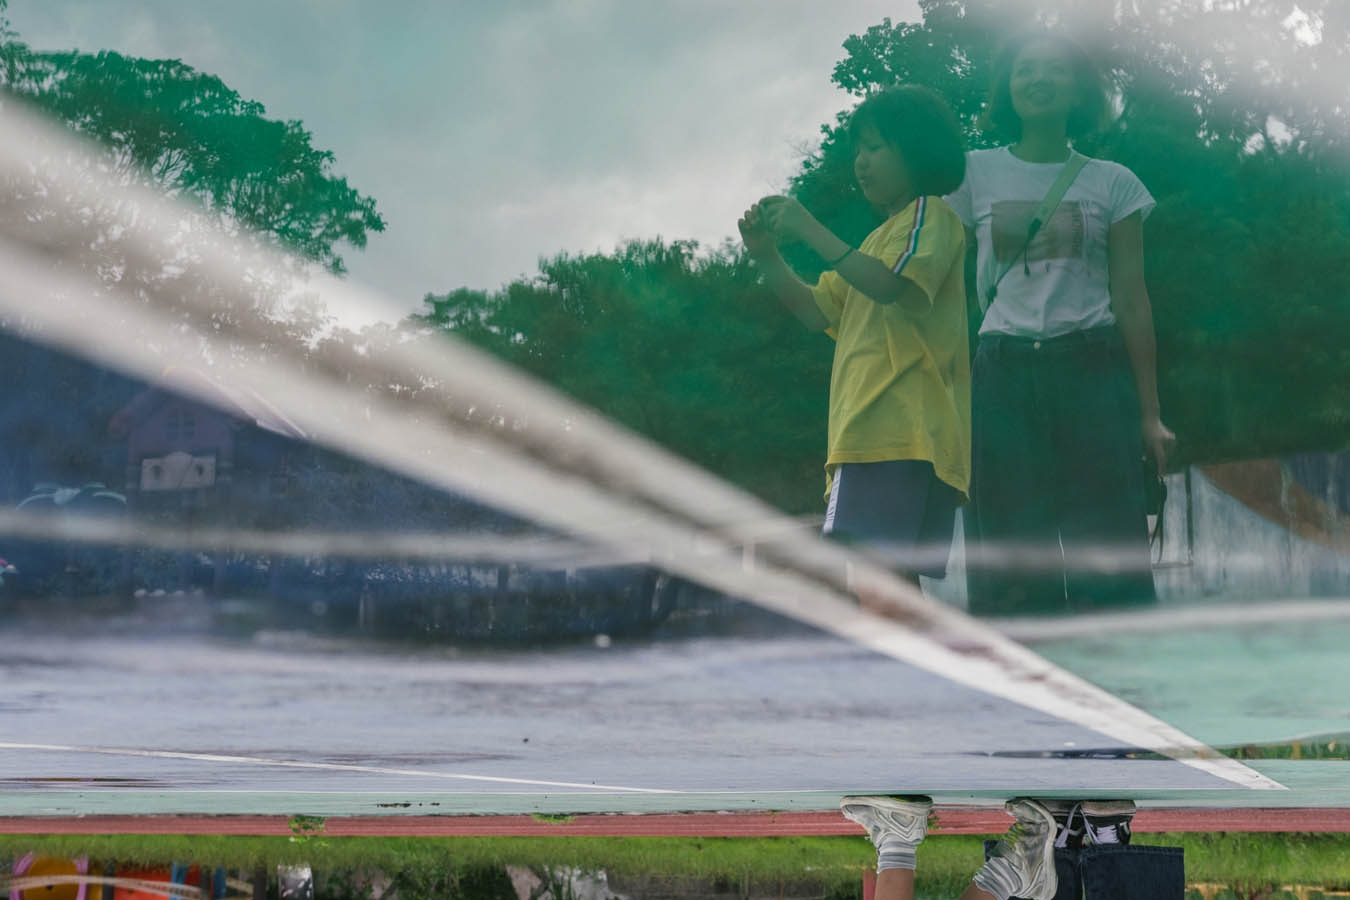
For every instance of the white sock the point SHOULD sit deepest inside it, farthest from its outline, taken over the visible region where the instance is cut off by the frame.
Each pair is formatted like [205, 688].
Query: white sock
[894, 853]
[997, 877]
[1104, 835]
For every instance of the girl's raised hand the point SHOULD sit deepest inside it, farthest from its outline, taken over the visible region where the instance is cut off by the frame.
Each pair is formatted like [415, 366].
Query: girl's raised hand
[755, 234]
[786, 218]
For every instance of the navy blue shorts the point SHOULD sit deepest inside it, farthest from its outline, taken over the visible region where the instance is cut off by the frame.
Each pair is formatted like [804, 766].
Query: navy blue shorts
[898, 510]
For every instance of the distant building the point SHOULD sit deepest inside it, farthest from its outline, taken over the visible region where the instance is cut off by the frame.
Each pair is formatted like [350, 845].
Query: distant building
[193, 443]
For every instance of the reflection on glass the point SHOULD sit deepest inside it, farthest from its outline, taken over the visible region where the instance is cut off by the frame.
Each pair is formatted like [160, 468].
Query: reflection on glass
[418, 557]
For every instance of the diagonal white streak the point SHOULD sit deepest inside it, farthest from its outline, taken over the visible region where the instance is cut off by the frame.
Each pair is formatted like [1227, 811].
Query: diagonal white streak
[326, 767]
[538, 455]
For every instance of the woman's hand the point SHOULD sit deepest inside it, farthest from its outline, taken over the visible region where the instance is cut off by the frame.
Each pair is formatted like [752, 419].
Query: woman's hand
[1159, 440]
[788, 219]
[755, 233]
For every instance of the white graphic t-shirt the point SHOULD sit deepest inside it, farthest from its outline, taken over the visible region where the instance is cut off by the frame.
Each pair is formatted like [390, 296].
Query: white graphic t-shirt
[1062, 285]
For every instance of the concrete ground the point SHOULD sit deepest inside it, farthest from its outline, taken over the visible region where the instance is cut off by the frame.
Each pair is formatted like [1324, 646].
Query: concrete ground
[148, 719]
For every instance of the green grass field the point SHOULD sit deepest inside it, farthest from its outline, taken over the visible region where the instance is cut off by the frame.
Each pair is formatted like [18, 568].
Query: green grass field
[831, 866]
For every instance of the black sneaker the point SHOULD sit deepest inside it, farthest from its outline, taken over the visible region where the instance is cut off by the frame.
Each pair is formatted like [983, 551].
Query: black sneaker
[1108, 821]
[1069, 823]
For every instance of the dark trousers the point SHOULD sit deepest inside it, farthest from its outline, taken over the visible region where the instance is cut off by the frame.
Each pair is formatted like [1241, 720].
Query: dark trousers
[1118, 872]
[1057, 462]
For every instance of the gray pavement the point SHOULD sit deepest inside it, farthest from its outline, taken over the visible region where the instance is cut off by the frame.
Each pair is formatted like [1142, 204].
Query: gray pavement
[165, 721]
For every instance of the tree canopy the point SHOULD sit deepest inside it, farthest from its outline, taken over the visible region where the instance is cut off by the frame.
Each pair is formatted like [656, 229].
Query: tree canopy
[679, 344]
[189, 135]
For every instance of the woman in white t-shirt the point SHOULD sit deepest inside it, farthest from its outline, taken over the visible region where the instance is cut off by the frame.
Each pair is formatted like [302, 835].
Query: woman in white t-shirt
[1065, 399]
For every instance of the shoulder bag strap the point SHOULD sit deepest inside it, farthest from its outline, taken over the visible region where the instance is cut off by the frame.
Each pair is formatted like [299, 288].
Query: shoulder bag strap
[1043, 213]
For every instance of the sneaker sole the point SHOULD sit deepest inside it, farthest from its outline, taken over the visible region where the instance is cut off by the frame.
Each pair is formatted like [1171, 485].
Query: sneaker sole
[894, 804]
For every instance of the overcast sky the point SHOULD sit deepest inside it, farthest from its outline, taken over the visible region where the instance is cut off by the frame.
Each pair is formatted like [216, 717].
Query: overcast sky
[493, 133]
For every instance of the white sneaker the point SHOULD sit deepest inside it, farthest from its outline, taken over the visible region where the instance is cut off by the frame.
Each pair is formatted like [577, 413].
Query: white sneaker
[886, 816]
[1023, 863]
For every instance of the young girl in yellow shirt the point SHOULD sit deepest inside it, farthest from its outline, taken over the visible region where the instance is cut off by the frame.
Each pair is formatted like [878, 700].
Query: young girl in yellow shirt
[898, 450]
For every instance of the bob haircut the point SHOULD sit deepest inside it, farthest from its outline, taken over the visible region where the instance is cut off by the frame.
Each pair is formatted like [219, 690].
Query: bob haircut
[1088, 117]
[920, 125]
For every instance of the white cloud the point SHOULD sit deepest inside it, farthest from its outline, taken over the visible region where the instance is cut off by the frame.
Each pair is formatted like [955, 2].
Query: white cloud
[1308, 29]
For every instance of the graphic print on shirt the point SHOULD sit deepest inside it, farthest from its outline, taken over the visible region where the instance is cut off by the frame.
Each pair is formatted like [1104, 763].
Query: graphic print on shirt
[1060, 238]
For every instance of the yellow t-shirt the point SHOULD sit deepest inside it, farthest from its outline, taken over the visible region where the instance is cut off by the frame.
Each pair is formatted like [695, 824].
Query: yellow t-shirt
[900, 386]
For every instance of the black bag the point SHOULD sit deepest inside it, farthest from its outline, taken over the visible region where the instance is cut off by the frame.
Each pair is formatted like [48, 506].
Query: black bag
[1155, 500]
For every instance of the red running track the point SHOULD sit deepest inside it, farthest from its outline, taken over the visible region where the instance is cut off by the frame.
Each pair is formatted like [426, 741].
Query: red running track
[950, 820]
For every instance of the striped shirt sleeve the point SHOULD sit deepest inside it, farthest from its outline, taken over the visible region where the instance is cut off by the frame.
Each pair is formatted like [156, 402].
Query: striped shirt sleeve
[911, 244]
[925, 251]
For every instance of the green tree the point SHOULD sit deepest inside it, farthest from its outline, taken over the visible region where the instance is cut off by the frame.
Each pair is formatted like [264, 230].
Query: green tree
[677, 343]
[187, 134]
[246, 183]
